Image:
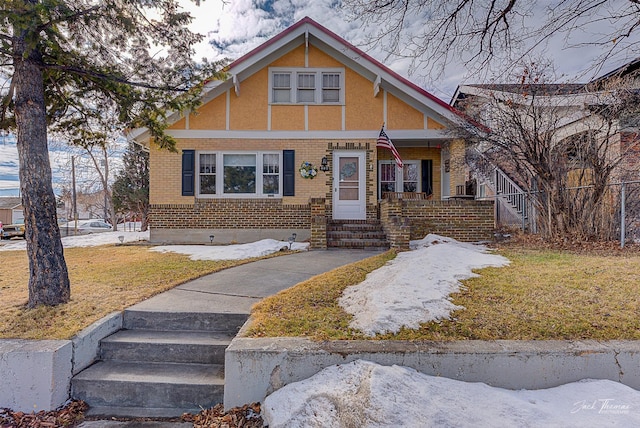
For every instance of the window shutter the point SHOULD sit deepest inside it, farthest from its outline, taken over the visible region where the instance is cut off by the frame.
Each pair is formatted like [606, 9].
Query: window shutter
[427, 176]
[288, 172]
[188, 172]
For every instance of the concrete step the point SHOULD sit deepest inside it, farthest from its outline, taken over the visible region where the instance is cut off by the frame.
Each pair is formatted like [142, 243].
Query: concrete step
[356, 234]
[336, 235]
[368, 226]
[361, 244]
[228, 323]
[165, 346]
[161, 387]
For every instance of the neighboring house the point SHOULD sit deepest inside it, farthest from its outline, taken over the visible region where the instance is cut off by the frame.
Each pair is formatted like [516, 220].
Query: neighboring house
[305, 97]
[89, 206]
[10, 209]
[575, 123]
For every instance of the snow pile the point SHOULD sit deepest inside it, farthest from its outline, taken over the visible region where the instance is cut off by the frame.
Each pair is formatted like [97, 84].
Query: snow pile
[231, 252]
[365, 394]
[414, 287]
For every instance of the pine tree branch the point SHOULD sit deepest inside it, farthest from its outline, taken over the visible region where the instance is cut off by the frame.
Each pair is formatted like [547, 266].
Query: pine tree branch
[67, 18]
[112, 77]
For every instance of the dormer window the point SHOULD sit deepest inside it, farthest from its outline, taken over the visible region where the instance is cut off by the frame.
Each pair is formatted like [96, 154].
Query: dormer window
[312, 86]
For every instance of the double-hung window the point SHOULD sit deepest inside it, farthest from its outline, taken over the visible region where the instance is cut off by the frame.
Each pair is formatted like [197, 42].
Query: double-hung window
[207, 173]
[281, 83]
[306, 85]
[330, 87]
[239, 174]
[306, 88]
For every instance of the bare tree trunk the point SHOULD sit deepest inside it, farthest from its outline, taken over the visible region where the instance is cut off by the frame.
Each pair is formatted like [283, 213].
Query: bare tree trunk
[144, 217]
[49, 279]
[108, 211]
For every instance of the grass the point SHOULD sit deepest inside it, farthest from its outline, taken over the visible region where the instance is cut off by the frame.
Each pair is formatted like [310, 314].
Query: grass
[103, 279]
[310, 308]
[544, 294]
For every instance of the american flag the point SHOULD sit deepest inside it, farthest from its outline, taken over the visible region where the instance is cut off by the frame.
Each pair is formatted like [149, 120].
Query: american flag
[385, 142]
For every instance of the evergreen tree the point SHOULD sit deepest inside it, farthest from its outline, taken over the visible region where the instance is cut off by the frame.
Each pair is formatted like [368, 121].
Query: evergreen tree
[64, 62]
[131, 187]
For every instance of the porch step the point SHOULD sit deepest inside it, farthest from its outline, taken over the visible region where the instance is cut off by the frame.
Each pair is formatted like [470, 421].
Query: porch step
[162, 364]
[356, 234]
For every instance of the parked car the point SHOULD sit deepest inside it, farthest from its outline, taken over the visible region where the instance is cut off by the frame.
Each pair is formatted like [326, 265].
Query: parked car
[85, 227]
[9, 231]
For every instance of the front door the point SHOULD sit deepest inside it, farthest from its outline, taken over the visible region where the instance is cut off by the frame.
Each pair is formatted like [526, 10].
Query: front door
[349, 196]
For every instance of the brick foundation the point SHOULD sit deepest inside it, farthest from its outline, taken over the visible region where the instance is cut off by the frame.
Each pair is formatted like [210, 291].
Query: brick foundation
[229, 220]
[231, 214]
[252, 219]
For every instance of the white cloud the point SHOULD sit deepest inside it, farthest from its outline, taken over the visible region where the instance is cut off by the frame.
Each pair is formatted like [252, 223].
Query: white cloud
[241, 25]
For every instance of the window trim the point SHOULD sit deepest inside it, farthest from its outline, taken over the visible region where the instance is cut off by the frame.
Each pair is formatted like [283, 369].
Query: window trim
[317, 91]
[220, 175]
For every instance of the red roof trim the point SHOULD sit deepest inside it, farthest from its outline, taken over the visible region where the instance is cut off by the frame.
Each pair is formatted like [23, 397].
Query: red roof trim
[271, 41]
[307, 20]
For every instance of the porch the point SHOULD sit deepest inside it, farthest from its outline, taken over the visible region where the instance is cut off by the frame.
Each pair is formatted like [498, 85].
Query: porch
[410, 216]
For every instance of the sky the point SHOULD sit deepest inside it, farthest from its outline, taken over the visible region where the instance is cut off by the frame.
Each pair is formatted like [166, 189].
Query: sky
[234, 27]
[365, 394]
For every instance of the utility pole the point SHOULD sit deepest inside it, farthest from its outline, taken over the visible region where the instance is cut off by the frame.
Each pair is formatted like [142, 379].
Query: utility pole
[74, 200]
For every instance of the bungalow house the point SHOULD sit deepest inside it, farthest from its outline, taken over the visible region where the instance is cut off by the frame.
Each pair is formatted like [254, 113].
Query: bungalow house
[288, 144]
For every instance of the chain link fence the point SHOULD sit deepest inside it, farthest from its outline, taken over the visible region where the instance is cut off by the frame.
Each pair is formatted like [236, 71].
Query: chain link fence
[617, 217]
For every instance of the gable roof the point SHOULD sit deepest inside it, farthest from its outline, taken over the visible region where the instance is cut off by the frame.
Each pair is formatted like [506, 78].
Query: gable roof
[546, 89]
[308, 31]
[10, 202]
[343, 51]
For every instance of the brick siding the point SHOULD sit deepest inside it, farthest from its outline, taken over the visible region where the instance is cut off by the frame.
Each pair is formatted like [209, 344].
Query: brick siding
[231, 214]
[467, 221]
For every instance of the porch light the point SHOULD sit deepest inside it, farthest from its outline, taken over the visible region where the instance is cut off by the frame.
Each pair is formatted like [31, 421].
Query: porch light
[324, 164]
[292, 239]
[211, 238]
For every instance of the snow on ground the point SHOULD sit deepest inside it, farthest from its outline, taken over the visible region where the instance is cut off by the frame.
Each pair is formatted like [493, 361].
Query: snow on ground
[414, 287]
[196, 252]
[365, 394]
[231, 252]
[91, 240]
[411, 289]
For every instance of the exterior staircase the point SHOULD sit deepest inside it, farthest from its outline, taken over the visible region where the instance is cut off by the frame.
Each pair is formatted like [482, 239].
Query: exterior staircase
[356, 234]
[159, 365]
[513, 205]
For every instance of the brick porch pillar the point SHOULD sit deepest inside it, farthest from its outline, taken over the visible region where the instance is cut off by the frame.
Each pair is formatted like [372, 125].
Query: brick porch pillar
[318, 223]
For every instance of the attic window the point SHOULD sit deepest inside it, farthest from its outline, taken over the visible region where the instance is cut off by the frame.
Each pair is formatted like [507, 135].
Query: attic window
[306, 87]
[281, 87]
[312, 85]
[330, 87]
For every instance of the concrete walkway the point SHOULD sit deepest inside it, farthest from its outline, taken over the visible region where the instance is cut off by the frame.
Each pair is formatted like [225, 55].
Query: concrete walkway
[235, 290]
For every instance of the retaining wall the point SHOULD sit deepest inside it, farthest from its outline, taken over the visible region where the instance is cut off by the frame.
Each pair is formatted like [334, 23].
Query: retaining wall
[254, 368]
[36, 374]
